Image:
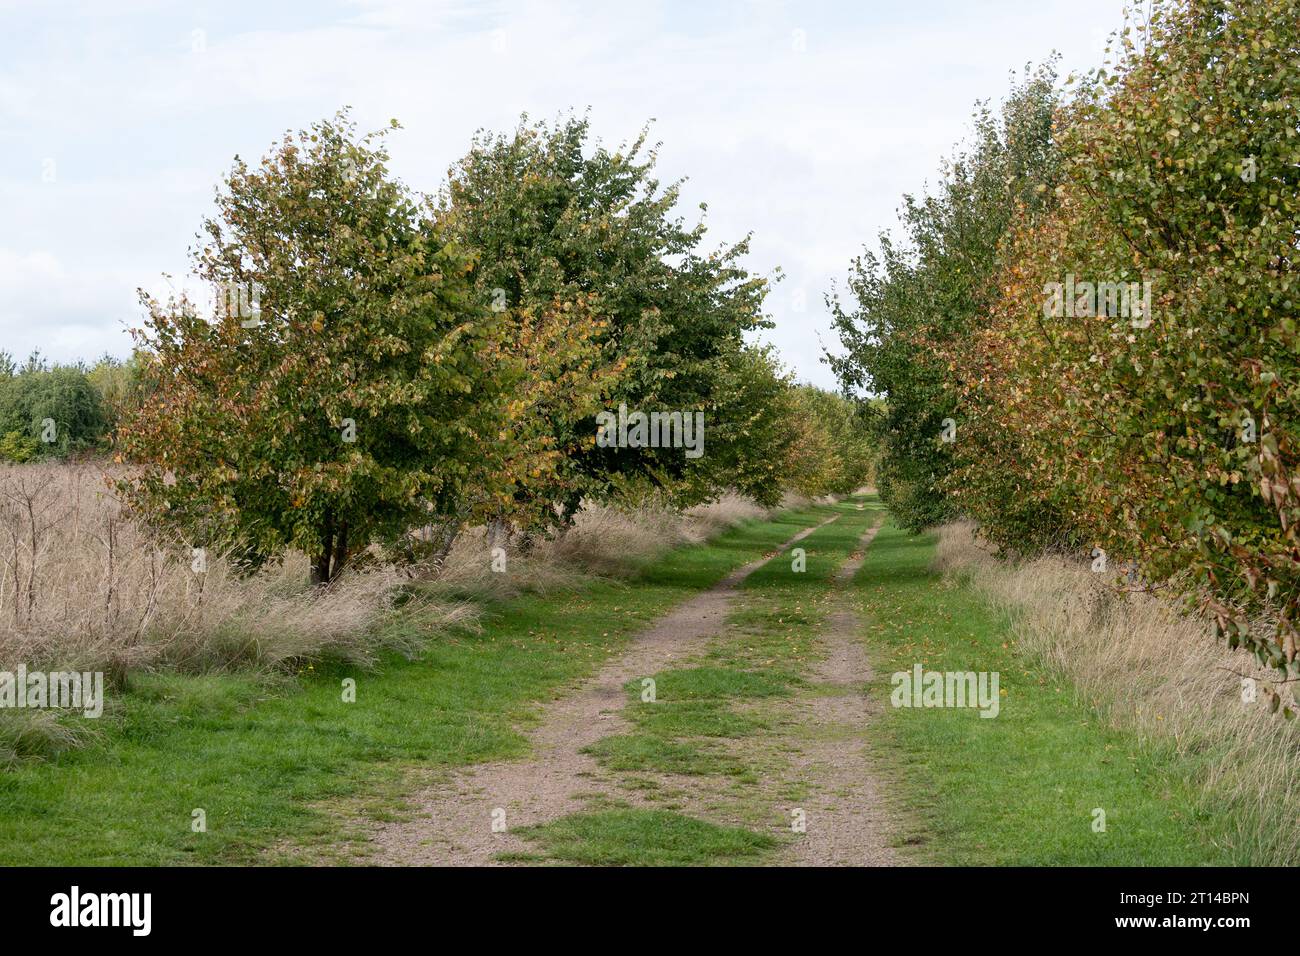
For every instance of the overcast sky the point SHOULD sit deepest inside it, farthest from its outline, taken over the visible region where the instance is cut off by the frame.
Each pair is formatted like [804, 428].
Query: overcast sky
[803, 122]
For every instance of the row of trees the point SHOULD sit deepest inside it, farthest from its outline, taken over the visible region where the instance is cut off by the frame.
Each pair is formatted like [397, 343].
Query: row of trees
[1089, 338]
[382, 360]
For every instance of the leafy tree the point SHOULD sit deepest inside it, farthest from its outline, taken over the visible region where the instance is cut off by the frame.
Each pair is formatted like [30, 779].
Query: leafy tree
[554, 222]
[845, 425]
[347, 384]
[1172, 434]
[1158, 427]
[55, 406]
[750, 424]
[118, 384]
[828, 447]
[18, 447]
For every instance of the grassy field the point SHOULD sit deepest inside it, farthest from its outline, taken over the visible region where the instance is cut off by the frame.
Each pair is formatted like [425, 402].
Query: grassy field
[1020, 788]
[256, 758]
[284, 770]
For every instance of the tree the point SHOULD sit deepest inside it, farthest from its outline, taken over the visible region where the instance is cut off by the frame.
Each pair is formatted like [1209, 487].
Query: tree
[349, 379]
[118, 384]
[554, 222]
[18, 447]
[1127, 381]
[1171, 432]
[751, 423]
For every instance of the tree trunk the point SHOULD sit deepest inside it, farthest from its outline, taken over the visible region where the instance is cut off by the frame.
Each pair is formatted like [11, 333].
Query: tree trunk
[497, 533]
[448, 535]
[340, 551]
[320, 569]
[320, 565]
[569, 511]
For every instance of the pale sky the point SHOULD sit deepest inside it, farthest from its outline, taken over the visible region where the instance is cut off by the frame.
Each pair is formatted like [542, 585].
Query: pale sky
[803, 122]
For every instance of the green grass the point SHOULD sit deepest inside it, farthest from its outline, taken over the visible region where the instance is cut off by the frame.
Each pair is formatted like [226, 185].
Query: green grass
[260, 758]
[699, 718]
[660, 752]
[646, 838]
[1019, 788]
[269, 760]
[691, 705]
[775, 627]
[704, 683]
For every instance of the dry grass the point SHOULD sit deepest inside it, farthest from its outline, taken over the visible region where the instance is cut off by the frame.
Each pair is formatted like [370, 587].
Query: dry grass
[623, 540]
[39, 734]
[82, 586]
[604, 541]
[1149, 667]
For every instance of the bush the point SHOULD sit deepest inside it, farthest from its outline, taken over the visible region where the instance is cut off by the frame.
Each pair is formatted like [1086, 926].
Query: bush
[17, 447]
[57, 408]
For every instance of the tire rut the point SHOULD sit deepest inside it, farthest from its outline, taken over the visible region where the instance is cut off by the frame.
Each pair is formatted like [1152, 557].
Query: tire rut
[846, 818]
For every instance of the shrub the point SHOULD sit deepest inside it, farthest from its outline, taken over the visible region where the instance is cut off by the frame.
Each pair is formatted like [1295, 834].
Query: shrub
[55, 407]
[17, 447]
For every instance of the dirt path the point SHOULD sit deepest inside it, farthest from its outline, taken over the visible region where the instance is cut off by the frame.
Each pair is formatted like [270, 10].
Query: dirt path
[453, 823]
[845, 816]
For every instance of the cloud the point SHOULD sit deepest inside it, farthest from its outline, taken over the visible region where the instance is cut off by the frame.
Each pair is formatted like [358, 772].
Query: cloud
[803, 123]
[44, 305]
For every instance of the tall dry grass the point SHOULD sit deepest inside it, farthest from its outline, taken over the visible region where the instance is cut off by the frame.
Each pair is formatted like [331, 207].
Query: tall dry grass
[604, 541]
[83, 586]
[1147, 666]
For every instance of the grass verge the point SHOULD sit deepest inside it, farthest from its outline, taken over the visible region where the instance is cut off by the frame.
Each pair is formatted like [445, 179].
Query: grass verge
[1024, 787]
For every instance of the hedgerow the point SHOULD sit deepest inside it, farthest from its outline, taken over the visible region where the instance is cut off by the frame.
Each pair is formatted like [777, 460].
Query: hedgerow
[1129, 386]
